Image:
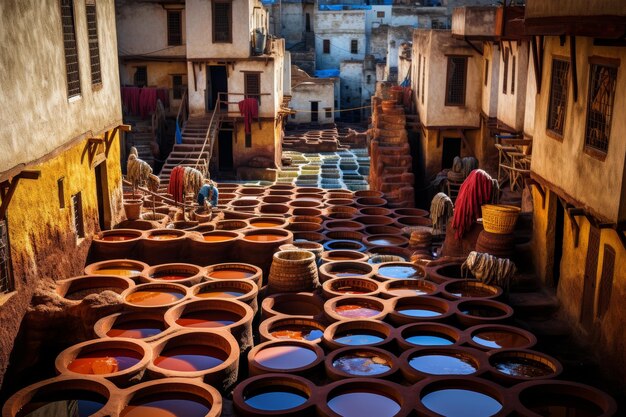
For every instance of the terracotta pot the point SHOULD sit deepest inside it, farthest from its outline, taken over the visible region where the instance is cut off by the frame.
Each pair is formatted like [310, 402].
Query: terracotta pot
[361, 361]
[179, 273]
[470, 289]
[119, 267]
[225, 197]
[143, 325]
[440, 396]
[266, 221]
[408, 287]
[499, 336]
[343, 255]
[203, 228]
[345, 234]
[375, 211]
[302, 304]
[447, 272]
[511, 366]
[158, 296]
[293, 328]
[352, 307]
[370, 202]
[244, 205]
[251, 191]
[250, 397]
[213, 247]
[306, 211]
[398, 270]
[305, 219]
[419, 308]
[337, 287]
[414, 212]
[393, 240]
[77, 288]
[309, 190]
[428, 334]
[345, 269]
[162, 246]
[220, 371]
[276, 199]
[132, 209]
[285, 356]
[281, 187]
[235, 270]
[273, 209]
[309, 196]
[315, 237]
[304, 227]
[64, 387]
[337, 194]
[240, 290]
[119, 360]
[390, 250]
[231, 225]
[202, 215]
[375, 221]
[368, 193]
[340, 202]
[365, 397]
[114, 244]
[412, 221]
[475, 311]
[535, 398]
[147, 397]
[347, 210]
[358, 333]
[340, 216]
[225, 315]
[424, 362]
[185, 225]
[259, 245]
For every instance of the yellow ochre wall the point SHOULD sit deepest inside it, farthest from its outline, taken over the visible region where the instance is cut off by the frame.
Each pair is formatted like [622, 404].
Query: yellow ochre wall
[265, 142]
[44, 247]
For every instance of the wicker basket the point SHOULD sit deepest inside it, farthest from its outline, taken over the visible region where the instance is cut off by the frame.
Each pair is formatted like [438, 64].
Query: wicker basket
[499, 219]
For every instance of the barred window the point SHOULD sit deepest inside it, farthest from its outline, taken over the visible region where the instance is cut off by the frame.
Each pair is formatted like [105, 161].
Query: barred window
[419, 73]
[69, 45]
[558, 96]
[354, 46]
[505, 77]
[513, 77]
[174, 27]
[423, 77]
[177, 87]
[602, 80]
[77, 210]
[222, 21]
[326, 46]
[94, 49]
[252, 85]
[6, 274]
[486, 71]
[455, 81]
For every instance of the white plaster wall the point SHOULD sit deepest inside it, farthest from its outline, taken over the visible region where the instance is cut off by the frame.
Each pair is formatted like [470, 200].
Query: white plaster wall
[293, 22]
[287, 74]
[340, 27]
[351, 78]
[247, 16]
[378, 42]
[593, 182]
[372, 19]
[142, 29]
[305, 93]
[395, 36]
[511, 106]
[490, 92]
[37, 116]
[403, 17]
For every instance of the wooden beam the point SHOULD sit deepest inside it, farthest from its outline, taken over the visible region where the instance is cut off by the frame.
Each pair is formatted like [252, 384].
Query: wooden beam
[572, 53]
[571, 214]
[125, 128]
[536, 63]
[474, 47]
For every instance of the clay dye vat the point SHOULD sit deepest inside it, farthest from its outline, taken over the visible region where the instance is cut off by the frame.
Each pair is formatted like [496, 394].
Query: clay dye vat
[118, 268]
[424, 311]
[471, 289]
[296, 332]
[118, 237]
[166, 404]
[218, 236]
[461, 403]
[501, 337]
[154, 297]
[356, 311]
[408, 287]
[136, 329]
[399, 271]
[429, 339]
[362, 363]
[171, 275]
[101, 362]
[231, 273]
[81, 403]
[440, 364]
[285, 357]
[266, 223]
[163, 236]
[265, 237]
[358, 337]
[208, 319]
[363, 403]
[190, 358]
[275, 398]
[522, 367]
[220, 293]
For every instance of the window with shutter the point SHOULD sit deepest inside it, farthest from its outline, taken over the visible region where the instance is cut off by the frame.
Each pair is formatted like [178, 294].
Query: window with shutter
[558, 96]
[92, 36]
[222, 21]
[252, 85]
[174, 27]
[77, 209]
[177, 86]
[326, 43]
[602, 80]
[456, 80]
[69, 45]
[6, 274]
[354, 46]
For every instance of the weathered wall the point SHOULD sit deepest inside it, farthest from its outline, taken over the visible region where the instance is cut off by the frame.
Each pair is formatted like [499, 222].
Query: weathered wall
[33, 79]
[378, 43]
[432, 148]
[583, 176]
[474, 21]
[248, 15]
[490, 90]
[292, 22]
[372, 20]
[142, 29]
[531, 97]
[395, 37]
[542, 244]
[512, 104]
[340, 27]
[351, 78]
[159, 75]
[304, 93]
[541, 8]
[44, 246]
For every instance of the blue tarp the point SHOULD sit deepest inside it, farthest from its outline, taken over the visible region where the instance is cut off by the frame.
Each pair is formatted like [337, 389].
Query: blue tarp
[339, 7]
[328, 73]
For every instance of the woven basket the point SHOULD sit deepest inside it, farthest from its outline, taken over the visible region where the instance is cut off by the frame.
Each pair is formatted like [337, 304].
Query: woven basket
[500, 219]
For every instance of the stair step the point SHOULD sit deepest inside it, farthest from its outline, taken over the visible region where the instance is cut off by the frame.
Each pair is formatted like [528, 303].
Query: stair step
[525, 283]
[535, 304]
[552, 328]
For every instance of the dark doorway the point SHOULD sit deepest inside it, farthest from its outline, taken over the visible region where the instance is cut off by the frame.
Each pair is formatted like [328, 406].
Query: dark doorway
[558, 243]
[216, 82]
[589, 280]
[451, 149]
[314, 111]
[307, 23]
[104, 215]
[225, 144]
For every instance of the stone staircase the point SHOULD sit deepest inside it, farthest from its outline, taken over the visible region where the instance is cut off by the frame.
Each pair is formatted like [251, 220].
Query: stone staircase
[187, 153]
[141, 138]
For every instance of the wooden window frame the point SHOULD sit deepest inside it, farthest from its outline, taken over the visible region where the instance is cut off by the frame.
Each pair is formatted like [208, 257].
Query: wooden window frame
[326, 46]
[614, 64]
[486, 72]
[78, 215]
[505, 76]
[550, 129]
[460, 103]
[380, 14]
[354, 46]
[174, 39]
[72, 90]
[246, 86]
[513, 65]
[94, 44]
[328, 112]
[229, 38]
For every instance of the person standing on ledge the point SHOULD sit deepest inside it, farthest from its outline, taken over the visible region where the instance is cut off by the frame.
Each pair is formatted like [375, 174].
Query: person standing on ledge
[208, 195]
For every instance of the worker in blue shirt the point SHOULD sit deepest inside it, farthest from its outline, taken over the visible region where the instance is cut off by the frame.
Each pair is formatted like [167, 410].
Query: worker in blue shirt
[208, 194]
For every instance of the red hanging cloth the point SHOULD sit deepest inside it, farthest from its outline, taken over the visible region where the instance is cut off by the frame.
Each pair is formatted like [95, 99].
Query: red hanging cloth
[249, 108]
[475, 191]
